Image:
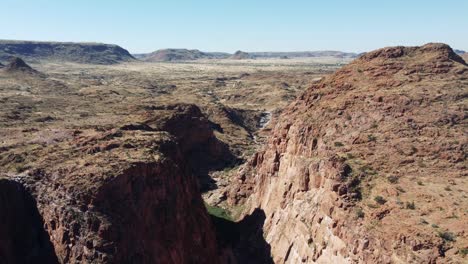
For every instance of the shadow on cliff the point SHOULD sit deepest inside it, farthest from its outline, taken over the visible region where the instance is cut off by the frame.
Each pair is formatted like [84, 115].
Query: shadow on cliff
[243, 242]
[23, 239]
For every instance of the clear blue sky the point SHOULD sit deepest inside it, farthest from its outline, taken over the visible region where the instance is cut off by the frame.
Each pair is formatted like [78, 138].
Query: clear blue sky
[224, 25]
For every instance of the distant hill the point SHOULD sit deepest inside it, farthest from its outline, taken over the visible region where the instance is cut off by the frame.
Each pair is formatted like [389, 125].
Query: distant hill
[303, 54]
[459, 52]
[180, 55]
[92, 53]
[240, 55]
[194, 54]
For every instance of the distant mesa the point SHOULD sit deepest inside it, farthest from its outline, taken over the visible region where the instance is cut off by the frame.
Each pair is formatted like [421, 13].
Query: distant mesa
[180, 55]
[459, 52]
[305, 54]
[240, 55]
[173, 55]
[91, 53]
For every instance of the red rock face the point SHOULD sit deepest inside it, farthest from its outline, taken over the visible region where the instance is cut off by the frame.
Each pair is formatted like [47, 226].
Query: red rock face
[123, 196]
[330, 153]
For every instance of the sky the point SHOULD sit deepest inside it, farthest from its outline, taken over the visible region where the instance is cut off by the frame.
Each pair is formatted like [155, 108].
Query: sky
[224, 25]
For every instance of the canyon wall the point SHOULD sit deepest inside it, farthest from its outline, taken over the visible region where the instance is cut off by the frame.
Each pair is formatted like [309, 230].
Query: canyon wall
[127, 195]
[355, 169]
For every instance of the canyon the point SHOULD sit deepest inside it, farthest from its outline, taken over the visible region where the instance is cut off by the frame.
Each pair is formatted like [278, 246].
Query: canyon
[316, 160]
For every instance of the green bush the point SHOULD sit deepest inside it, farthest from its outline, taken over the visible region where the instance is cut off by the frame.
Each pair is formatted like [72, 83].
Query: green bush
[338, 144]
[218, 212]
[447, 236]
[410, 206]
[359, 213]
[400, 189]
[463, 252]
[392, 179]
[379, 199]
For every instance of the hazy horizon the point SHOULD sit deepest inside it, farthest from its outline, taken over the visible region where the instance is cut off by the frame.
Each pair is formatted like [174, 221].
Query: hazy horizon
[263, 26]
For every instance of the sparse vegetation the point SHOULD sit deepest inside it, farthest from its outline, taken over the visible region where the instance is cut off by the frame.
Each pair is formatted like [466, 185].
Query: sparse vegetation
[218, 212]
[359, 213]
[338, 144]
[463, 252]
[400, 189]
[371, 138]
[447, 236]
[410, 205]
[392, 179]
[379, 199]
[19, 168]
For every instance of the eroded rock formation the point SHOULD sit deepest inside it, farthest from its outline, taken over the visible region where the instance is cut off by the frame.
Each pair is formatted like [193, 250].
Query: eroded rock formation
[355, 169]
[123, 196]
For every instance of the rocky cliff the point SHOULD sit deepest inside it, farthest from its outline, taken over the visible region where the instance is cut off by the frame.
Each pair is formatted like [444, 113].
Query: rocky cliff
[127, 195]
[368, 165]
[93, 53]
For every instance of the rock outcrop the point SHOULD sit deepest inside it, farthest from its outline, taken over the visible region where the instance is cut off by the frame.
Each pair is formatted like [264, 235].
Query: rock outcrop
[17, 65]
[127, 195]
[93, 53]
[359, 168]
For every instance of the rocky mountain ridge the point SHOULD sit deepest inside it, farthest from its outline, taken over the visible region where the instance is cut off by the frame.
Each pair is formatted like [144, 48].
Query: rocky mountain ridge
[361, 168]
